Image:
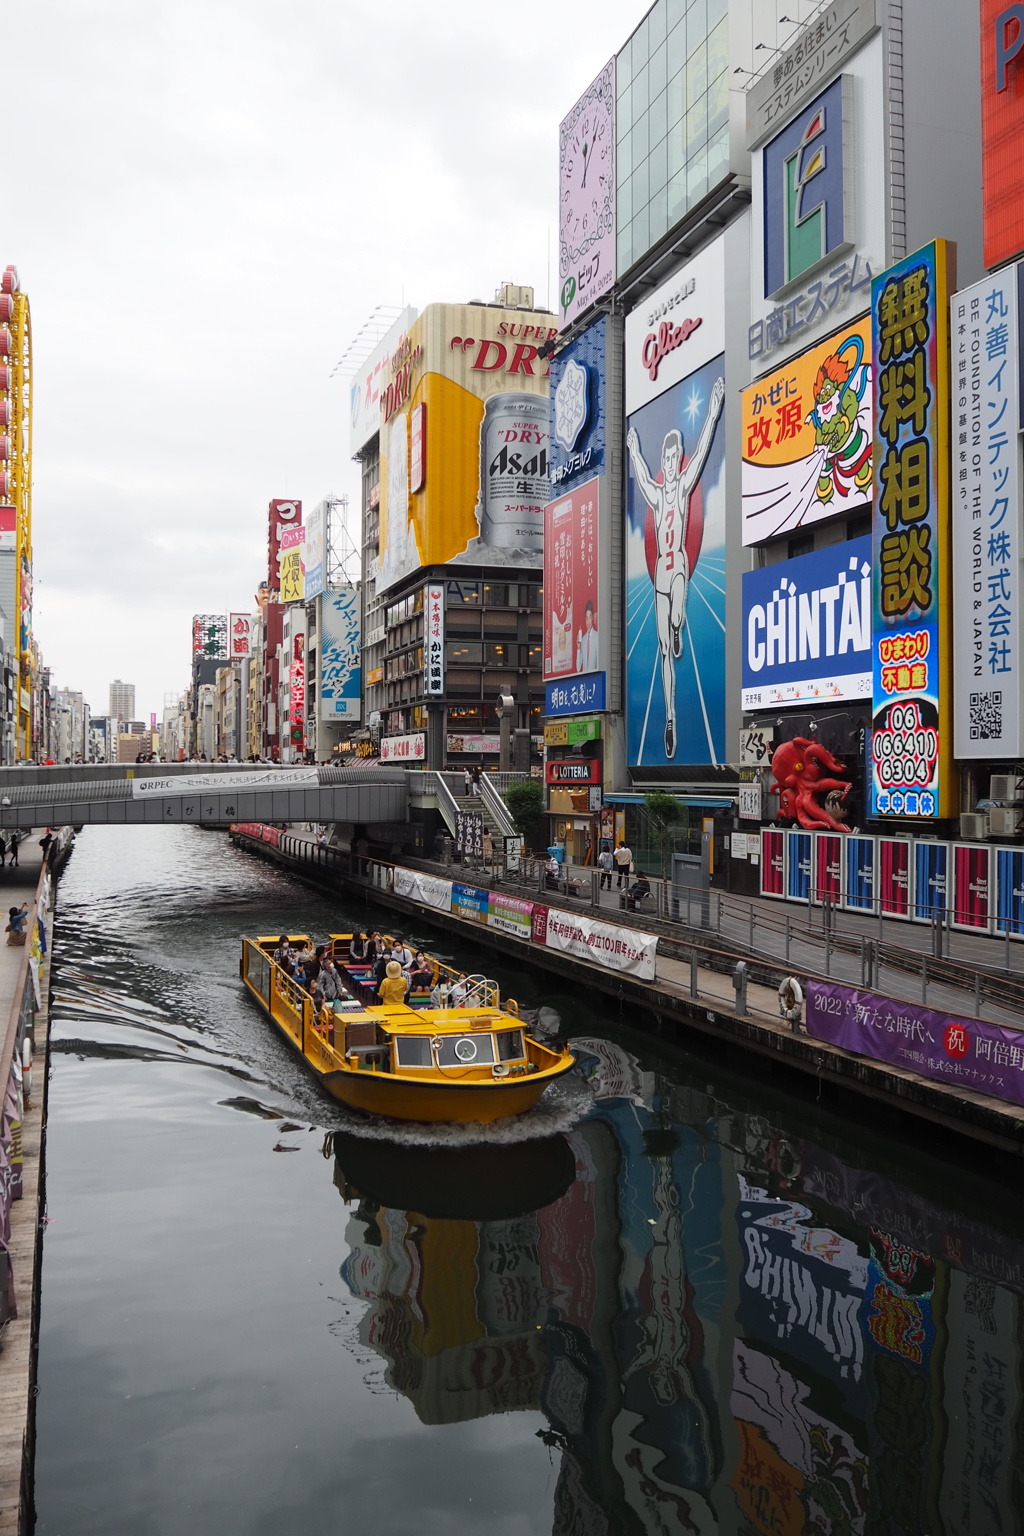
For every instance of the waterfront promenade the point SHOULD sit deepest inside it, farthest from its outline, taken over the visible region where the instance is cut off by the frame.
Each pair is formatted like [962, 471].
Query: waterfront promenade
[17, 1339]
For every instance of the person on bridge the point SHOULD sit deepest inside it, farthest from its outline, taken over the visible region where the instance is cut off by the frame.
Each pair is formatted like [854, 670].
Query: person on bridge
[605, 864]
[394, 986]
[467, 780]
[12, 850]
[3, 850]
[45, 844]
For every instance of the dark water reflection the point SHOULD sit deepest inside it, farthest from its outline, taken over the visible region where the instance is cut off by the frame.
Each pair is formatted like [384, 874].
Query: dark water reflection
[678, 1300]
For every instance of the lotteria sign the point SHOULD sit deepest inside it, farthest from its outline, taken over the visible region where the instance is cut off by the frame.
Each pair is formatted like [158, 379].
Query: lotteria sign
[574, 770]
[807, 628]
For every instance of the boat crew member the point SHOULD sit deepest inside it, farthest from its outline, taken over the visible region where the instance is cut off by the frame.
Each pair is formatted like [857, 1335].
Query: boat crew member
[393, 988]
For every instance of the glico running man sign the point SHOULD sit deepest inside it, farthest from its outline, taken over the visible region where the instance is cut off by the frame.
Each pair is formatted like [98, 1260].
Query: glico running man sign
[911, 736]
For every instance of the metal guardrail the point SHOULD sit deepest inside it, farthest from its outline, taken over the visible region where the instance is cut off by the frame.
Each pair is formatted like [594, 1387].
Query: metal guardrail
[768, 939]
[497, 810]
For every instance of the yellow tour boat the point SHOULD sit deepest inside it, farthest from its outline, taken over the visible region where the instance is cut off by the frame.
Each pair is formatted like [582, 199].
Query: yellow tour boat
[409, 1061]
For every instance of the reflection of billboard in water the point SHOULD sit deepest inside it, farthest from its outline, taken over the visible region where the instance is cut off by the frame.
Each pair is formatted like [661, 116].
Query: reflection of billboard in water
[675, 574]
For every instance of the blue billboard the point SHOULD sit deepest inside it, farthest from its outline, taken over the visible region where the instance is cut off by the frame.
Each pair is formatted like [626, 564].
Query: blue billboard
[341, 672]
[675, 575]
[576, 695]
[578, 409]
[807, 628]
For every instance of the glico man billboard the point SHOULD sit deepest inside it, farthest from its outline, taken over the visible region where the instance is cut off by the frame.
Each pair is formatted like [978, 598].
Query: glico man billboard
[675, 511]
[464, 438]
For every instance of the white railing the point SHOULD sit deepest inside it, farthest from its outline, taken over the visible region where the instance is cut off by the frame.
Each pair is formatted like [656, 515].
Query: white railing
[497, 811]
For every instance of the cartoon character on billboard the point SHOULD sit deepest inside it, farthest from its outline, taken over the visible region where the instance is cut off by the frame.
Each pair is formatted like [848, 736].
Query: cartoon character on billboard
[842, 442]
[799, 466]
[678, 540]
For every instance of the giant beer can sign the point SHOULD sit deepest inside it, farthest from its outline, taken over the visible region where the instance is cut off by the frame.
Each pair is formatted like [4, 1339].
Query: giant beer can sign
[514, 486]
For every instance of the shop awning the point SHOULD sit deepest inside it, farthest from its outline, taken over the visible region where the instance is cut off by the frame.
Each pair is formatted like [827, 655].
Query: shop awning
[699, 802]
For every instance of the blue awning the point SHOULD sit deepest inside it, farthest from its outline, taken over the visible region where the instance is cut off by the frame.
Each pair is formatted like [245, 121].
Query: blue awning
[697, 801]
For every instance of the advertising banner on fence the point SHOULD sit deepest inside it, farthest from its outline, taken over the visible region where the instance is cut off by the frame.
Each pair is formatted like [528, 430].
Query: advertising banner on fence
[426, 888]
[572, 618]
[911, 736]
[987, 533]
[510, 915]
[807, 628]
[470, 902]
[621, 949]
[966, 1052]
[807, 437]
[586, 198]
[226, 783]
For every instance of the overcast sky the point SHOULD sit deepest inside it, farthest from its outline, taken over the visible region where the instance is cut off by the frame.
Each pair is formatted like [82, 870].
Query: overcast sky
[205, 200]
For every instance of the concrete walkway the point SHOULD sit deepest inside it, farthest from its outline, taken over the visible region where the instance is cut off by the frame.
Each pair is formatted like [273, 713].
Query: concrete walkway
[18, 885]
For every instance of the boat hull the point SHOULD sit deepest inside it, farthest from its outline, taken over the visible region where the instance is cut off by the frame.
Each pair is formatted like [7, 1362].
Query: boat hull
[381, 1093]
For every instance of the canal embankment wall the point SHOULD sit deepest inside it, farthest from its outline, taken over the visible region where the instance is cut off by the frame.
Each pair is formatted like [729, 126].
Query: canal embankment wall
[24, 1069]
[695, 989]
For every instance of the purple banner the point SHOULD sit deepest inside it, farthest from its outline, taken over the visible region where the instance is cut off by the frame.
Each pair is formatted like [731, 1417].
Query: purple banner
[967, 1052]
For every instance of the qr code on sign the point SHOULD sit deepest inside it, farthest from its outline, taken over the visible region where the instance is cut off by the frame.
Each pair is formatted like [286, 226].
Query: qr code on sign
[986, 716]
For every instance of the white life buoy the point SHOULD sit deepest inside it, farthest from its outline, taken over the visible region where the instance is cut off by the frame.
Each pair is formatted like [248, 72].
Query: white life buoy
[791, 999]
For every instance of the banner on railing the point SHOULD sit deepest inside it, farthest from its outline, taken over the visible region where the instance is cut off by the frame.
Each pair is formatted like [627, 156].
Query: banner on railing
[621, 949]
[968, 1053]
[510, 915]
[258, 830]
[469, 902]
[425, 888]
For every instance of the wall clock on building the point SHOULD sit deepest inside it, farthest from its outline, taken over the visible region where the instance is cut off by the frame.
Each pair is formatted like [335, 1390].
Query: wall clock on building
[586, 170]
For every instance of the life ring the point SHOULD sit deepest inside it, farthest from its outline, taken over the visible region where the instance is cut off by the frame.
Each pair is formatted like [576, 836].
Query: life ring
[791, 999]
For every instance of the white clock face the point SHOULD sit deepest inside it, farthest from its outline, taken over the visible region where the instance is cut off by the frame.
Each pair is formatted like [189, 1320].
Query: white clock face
[587, 181]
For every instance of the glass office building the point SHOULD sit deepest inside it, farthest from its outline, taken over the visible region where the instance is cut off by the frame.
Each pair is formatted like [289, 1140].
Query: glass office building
[672, 119]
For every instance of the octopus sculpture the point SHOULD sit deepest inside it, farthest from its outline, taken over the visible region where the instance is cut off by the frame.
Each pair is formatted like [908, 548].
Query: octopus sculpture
[802, 770]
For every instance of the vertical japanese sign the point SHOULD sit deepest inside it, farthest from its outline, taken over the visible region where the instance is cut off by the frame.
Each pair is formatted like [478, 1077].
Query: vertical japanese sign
[434, 659]
[292, 545]
[571, 637]
[340, 655]
[283, 515]
[987, 542]
[911, 740]
[238, 635]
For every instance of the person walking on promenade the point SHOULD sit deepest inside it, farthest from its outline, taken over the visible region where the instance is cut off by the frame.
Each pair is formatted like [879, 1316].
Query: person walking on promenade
[3, 850]
[475, 782]
[623, 862]
[12, 850]
[605, 864]
[467, 780]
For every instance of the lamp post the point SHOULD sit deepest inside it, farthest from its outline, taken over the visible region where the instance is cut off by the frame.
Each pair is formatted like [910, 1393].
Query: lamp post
[506, 712]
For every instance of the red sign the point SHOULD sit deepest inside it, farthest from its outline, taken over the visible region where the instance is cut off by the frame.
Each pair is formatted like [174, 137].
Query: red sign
[1002, 125]
[238, 635]
[570, 583]
[574, 770]
[283, 514]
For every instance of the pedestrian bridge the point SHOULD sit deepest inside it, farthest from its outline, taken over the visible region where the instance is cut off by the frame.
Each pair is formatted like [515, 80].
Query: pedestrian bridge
[97, 793]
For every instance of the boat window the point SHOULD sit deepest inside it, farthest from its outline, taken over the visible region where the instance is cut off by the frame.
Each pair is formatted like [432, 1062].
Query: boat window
[413, 1050]
[510, 1045]
[466, 1050]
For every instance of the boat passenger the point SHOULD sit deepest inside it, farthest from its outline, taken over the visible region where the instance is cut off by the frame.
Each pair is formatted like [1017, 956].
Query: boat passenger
[374, 945]
[380, 970]
[459, 991]
[283, 951]
[404, 955]
[327, 988]
[356, 949]
[303, 957]
[311, 968]
[421, 976]
[392, 989]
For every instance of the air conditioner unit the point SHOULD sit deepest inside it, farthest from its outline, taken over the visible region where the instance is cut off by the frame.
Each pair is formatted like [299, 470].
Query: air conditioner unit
[1007, 787]
[1005, 822]
[973, 826]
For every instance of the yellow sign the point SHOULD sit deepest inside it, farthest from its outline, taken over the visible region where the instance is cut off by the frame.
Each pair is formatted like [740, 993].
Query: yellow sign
[375, 675]
[464, 441]
[557, 734]
[292, 579]
[807, 437]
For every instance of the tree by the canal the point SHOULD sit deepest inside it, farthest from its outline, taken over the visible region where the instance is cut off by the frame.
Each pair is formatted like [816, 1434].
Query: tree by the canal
[664, 814]
[525, 801]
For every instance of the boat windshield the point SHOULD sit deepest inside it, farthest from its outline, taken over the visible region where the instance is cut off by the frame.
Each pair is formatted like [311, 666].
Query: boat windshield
[413, 1051]
[510, 1045]
[465, 1050]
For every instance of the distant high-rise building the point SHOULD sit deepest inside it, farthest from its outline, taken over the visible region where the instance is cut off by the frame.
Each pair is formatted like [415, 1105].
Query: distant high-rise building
[122, 700]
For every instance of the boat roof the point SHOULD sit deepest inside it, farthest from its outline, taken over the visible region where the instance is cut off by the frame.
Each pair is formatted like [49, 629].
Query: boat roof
[441, 1021]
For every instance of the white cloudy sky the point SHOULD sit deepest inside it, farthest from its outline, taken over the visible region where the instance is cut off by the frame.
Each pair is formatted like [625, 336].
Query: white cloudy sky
[205, 200]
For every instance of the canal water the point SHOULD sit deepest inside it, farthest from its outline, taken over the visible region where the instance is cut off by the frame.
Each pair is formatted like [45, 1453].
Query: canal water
[677, 1299]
